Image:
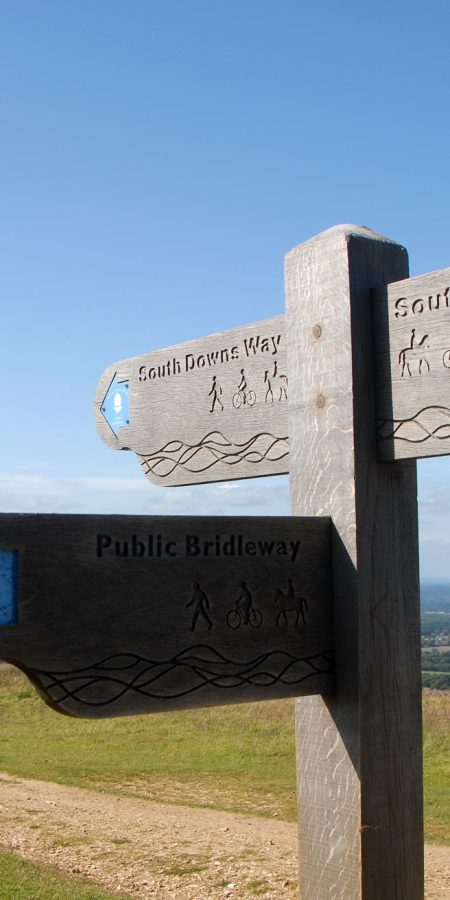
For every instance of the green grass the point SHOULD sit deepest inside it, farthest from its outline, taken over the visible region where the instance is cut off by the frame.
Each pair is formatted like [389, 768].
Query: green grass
[436, 716]
[28, 881]
[238, 758]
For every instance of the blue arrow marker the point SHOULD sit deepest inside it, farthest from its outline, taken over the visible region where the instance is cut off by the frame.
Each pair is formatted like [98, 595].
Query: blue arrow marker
[116, 405]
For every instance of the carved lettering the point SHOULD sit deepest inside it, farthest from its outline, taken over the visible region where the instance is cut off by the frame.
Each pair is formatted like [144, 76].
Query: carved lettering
[171, 367]
[276, 344]
[401, 304]
[434, 302]
[210, 358]
[103, 541]
[192, 545]
[418, 307]
[252, 346]
[136, 547]
[159, 546]
[258, 344]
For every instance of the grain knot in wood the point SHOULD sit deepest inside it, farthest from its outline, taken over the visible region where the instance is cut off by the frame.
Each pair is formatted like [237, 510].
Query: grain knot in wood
[320, 401]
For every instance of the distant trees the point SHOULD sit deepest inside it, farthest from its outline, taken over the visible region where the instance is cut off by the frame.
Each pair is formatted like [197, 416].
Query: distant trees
[436, 669]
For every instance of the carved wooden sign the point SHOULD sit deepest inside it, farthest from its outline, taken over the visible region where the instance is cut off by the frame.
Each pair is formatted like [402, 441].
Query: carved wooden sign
[412, 334]
[217, 408]
[213, 409]
[116, 615]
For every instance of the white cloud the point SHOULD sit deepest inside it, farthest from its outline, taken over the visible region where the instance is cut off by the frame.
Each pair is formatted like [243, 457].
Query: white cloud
[23, 484]
[31, 492]
[108, 483]
[434, 504]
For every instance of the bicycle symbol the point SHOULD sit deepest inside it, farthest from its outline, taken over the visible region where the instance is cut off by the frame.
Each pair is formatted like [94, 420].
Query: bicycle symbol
[244, 612]
[243, 396]
[237, 617]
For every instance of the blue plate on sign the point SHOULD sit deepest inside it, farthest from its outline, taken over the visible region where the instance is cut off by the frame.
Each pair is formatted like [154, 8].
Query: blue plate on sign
[116, 405]
[8, 587]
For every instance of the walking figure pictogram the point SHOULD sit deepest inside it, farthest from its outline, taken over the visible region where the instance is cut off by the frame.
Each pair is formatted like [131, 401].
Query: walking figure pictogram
[215, 393]
[200, 603]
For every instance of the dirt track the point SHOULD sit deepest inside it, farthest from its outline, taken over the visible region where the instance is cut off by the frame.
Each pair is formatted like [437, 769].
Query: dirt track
[152, 850]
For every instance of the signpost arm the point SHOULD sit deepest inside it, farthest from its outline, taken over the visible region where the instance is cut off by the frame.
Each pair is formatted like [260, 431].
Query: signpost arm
[359, 755]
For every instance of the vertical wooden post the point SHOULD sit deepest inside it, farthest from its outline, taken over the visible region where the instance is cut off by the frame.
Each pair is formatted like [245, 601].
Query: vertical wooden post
[360, 754]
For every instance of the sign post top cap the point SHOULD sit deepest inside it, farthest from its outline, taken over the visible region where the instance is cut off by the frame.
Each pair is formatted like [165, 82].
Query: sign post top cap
[345, 231]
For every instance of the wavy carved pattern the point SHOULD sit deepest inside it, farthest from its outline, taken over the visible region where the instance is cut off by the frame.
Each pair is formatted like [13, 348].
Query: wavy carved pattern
[212, 449]
[429, 422]
[195, 668]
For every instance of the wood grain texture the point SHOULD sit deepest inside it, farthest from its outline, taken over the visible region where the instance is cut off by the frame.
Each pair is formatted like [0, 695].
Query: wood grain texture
[359, 756]
[213, 409]
[118, 615]
[412, 333]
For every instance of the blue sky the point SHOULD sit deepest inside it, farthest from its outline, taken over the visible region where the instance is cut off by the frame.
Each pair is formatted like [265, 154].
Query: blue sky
[158, 160]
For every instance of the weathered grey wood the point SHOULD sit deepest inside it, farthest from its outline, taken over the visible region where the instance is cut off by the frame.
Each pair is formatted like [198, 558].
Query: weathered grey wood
[213, 409]
[120, 615]
[359, 756]
[412, 334]
[181, 411]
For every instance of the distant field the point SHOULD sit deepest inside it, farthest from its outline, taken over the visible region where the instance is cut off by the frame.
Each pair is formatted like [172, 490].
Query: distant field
[238, 758]
[435, 629]
[435, 634]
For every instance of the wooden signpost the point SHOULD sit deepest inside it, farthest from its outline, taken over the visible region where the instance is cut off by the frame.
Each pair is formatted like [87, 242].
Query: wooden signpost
[359, 756]
[120, 614]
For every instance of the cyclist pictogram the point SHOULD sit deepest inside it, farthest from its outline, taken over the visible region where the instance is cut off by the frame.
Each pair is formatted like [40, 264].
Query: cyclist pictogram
[243, 396]
[244, 613]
